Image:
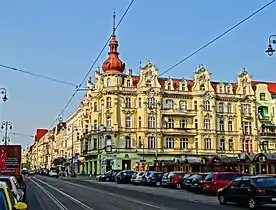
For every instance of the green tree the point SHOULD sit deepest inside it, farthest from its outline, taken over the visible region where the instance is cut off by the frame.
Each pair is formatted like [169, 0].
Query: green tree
[59, 161]
[26, 165]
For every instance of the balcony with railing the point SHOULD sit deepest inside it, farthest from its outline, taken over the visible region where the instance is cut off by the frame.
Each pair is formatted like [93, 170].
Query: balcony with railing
[268, 129]
[182, 112]
[180, 131]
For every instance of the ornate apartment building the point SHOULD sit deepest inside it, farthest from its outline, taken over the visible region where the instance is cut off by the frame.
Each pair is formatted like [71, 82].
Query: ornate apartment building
[266, 119]
[146, 118]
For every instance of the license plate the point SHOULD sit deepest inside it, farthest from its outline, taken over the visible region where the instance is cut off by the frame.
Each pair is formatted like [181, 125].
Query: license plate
[195, 184]
[273, 199]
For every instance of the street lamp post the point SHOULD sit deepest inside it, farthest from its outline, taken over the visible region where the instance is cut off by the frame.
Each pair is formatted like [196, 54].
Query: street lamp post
[3, 91]
[270, 50]
[6, 126]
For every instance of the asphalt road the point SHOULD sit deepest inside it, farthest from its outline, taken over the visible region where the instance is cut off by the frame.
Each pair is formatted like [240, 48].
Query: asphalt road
[50, 193]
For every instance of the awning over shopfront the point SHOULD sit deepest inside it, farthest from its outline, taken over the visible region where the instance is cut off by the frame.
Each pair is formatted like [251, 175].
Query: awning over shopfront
[268, 124]
[224, 160]
[265, 157]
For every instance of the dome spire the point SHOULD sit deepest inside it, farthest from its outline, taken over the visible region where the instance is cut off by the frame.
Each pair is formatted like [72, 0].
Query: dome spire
[113, 64]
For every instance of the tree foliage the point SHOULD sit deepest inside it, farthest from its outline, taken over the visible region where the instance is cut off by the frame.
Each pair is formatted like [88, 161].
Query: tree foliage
[59, 161]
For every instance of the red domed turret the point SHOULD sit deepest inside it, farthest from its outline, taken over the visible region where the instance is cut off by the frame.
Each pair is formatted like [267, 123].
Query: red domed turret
[113, 64]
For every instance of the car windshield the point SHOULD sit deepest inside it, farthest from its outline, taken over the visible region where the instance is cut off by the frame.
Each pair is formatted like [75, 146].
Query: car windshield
[7, 181]
[3, 201]
[265, 182]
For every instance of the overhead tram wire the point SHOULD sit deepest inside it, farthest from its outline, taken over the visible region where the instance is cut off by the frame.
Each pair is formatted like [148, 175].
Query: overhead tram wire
[218, 37]
[92, 66]
[20, 134]
[38, 75]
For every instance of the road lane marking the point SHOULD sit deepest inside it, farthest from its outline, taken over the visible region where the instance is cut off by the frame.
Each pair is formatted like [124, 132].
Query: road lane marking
[55, 200]
[66, 195]
[118, 196]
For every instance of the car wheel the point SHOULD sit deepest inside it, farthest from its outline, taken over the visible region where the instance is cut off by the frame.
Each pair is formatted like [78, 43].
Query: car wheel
[178, 186]
[252, 203]
[158, 184]
[222, 200]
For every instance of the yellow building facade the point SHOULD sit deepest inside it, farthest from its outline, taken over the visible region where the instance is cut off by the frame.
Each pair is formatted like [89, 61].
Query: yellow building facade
[142, 118]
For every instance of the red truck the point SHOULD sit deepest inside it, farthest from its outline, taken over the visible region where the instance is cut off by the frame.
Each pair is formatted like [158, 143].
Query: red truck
[10, 160]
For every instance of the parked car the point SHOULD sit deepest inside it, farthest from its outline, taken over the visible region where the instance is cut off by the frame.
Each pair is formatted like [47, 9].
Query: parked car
[137, 179]
[31, 172]
[175, 179]
[198, 182]
[114, 174]
[164, 181]
[7, 201]
[104, 176]
[53, 173]
[124, 176]
[217, 180]
[253, 191]
[155, 179]
[188, 182]
[145, 177]
[13, 185]
[108, 176]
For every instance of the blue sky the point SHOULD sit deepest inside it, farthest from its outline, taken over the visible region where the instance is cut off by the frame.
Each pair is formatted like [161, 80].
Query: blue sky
[62, 38]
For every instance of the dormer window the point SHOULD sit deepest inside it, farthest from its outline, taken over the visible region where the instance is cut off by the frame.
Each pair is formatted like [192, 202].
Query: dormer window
[262, 96]
[228, 89]
[128, 83]
[202, 87]
[108, 82]
[169, 85]
[183, 86]
[221, 88]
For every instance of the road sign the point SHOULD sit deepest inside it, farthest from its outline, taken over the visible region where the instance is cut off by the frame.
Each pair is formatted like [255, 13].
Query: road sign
[103, 160]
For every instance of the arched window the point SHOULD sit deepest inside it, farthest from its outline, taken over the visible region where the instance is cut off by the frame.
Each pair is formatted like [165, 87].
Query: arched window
[221, 107]
[262, 96]
[221, 125]
[183, 105]
[170, 143]
[222, 144]
[229, 108]
[108, 82]
[170, 123]
[108, 102]
[108, 122]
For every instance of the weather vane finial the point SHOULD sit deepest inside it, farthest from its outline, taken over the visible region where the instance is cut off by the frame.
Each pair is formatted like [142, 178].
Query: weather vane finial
[114, 22]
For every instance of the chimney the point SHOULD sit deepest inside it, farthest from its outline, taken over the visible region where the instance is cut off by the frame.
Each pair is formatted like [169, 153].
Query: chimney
[130, 71]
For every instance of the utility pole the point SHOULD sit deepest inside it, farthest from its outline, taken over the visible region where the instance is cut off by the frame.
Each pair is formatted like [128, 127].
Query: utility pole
[6, 126]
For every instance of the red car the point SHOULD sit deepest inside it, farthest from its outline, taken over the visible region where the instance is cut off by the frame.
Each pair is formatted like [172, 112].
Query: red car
[214, 181]
[175, 179]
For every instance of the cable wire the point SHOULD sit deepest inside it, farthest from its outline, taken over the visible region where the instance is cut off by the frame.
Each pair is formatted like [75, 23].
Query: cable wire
[92, 66]
[20, 134]
[218, 37]
[38, 75]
